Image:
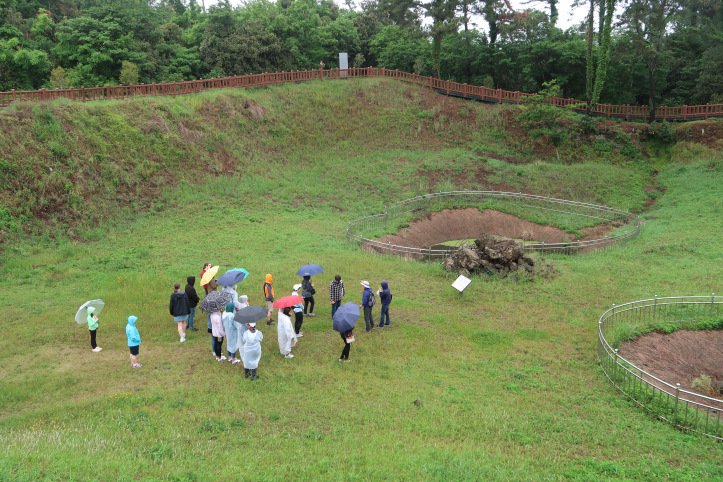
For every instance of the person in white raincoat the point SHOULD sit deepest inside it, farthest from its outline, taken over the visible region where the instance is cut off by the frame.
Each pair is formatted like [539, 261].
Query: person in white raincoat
[229, 326]
[252, 350]
[287, 336]
[241, 327]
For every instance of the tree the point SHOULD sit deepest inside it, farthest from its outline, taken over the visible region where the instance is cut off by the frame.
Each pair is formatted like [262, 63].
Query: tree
[444, 21]
[648, 21]
[128, 74]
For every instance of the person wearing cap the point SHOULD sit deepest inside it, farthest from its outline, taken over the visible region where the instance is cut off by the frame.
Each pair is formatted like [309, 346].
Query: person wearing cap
[367, 303]
[252, 350]
[336, 293]
[93, 323]
[134, 340]
[269, 297]
[286, 335]
[307, 292]
[298, 312]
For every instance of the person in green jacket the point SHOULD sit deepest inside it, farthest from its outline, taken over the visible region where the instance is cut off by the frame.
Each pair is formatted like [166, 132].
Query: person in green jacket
[93, 323]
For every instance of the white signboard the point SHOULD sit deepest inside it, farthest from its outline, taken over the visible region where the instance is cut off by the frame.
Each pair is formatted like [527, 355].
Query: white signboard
[343, 64]
[461, 283]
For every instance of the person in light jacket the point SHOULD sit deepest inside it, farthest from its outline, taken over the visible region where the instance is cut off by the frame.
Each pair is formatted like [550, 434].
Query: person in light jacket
[252, 350]
[229, 327]
[134, 340]
[218, 334]
[93, 323]
[287, 337]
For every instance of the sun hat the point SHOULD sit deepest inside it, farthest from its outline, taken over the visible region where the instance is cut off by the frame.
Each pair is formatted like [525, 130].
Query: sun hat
[297, 286]
[252, 324]
[365, 284]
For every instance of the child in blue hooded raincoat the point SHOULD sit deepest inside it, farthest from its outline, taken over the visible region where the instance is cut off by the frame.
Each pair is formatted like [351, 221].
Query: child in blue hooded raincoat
[134, 340]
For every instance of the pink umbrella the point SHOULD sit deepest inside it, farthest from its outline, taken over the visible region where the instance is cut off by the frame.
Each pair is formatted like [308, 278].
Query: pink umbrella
[288, 301]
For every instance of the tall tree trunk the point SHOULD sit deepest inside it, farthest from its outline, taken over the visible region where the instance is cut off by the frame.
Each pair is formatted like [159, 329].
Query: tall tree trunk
[604, 52]
[553, 11]
[436, 51]
[652, 63]
[590, 67]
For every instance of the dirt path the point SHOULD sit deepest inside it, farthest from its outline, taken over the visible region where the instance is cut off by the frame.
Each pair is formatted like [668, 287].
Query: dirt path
[679, 357]
[471, 223]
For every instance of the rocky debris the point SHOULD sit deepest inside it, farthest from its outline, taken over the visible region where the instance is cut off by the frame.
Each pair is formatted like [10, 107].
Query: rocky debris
[489, 255]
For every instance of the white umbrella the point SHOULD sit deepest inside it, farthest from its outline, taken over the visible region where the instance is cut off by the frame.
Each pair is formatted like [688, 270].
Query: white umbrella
[82, 315]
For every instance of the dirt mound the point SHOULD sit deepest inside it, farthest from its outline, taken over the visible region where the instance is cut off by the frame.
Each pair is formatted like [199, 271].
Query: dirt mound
[254, 110]
[471, 223]
[679, 357]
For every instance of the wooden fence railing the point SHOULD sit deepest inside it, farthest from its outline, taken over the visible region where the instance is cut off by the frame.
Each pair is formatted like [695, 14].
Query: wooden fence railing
[485, 94]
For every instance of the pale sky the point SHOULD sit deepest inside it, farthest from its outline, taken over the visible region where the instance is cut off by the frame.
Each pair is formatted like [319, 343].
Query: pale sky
[567, 16]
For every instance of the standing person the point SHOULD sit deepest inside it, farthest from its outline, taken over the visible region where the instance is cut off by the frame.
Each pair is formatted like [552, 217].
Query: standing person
[298, 313]
[307, 292]
[211, 286]
[229, 326]
[385, 296]
[348, 337]
[252, 350]
[93, 323]
[336, 293]
[134, 340]
[179, 307]
[287, 337]
[241, 327]
[368, 301]
[193, 300]
[269, 297]
[234, 296]
[218, 333]
[206, 287]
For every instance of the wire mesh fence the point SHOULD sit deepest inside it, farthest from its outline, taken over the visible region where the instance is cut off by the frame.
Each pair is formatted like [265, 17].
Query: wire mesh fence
[370, 231]
[665, 399]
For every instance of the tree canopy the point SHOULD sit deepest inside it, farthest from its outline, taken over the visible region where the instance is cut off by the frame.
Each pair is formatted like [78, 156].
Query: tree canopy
[653, 52]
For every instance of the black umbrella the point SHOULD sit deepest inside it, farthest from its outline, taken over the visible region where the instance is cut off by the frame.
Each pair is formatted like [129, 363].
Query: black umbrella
[215, 301]
[250, 314]
[345, 317]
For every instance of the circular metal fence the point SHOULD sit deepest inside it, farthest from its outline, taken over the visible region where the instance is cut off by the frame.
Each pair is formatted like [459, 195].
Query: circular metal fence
[663, 398]
[574, 215]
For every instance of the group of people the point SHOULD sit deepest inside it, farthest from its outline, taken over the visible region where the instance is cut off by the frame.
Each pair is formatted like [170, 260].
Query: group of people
[243, 340]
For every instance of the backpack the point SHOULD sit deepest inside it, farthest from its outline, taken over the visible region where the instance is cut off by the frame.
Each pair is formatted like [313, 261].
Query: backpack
[372, 300]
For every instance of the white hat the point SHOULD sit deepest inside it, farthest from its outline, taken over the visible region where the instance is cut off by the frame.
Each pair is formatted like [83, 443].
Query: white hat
[365, 284]
[297, 286]
[252, 324]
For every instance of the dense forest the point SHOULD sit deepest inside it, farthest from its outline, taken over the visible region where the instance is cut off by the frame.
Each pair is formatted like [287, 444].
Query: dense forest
[655, 52]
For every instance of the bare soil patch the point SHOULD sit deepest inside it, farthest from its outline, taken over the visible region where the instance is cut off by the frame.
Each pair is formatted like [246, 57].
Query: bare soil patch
[678, 357]
[471, 223]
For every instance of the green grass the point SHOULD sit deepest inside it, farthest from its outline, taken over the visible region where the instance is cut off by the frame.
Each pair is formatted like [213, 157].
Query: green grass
[506, 373]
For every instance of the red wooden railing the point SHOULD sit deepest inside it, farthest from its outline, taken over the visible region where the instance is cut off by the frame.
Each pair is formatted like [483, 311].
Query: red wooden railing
[630, 112]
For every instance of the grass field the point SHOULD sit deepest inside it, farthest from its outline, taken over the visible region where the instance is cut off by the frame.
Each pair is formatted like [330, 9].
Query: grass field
[506, 375]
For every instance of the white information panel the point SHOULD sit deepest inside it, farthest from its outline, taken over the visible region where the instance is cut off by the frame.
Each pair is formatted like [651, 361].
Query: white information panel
[461, 283]
[343, 64]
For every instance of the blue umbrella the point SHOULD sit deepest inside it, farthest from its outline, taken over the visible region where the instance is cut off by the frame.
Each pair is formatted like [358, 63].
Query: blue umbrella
[345, 317]
[232, 277]
[310, 270]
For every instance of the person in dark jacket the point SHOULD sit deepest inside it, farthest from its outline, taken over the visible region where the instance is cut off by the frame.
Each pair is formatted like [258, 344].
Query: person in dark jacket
[385, 297]
[179, 307]
[307, 292]
[193, 300]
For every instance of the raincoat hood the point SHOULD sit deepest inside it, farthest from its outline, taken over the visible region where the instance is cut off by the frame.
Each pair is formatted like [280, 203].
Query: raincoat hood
[243, 299]
[269, 279]
[91, 310]
[132, 320]
[191, 280]
[230, 307]
[92, 322]
[385, 285]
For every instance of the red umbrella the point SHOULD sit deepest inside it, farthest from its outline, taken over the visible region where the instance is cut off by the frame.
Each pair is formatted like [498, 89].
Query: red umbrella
[288, 301]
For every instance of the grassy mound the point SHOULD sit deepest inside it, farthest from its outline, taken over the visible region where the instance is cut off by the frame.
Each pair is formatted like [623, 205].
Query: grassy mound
[505, 376]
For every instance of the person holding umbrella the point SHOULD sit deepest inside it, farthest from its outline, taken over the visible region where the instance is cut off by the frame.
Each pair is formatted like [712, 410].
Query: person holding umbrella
[206, 267]
[286, 335]
[179, 308]
[344, 320]
[269, 297]
[336, 293]
[218, 332]
[93, 323]
[307, 287]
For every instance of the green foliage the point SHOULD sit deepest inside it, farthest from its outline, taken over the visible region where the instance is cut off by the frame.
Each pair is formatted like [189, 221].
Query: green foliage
[129, 73]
